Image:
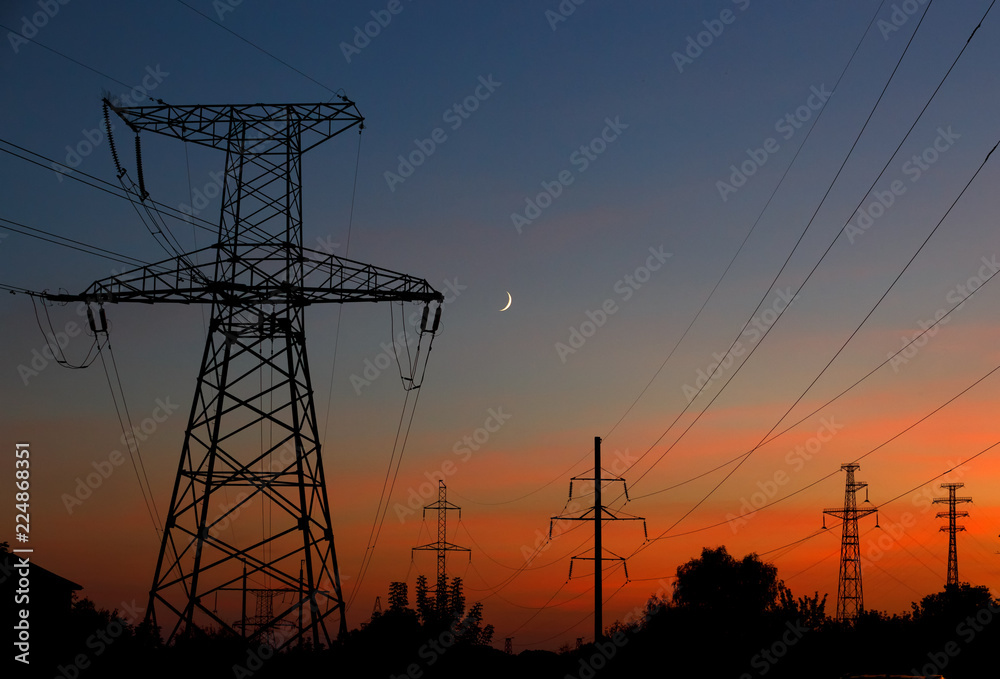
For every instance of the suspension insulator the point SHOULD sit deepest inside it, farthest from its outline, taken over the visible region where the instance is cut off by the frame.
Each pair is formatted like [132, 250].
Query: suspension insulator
[437, 320]
[104, 320]
[143, 194]
[423, 319]
[111, 141]
[90, 319]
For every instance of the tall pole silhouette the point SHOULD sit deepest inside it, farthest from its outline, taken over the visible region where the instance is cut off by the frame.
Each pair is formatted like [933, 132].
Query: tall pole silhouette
[598, 514]
[252, 430]
[953, 514]
[850, 593]
[598, 548]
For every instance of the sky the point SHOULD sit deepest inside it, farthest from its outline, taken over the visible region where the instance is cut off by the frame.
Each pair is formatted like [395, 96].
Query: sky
[654, 186]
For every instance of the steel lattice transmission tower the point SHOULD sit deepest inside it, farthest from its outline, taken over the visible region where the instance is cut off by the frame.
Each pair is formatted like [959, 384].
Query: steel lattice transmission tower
[252, 429]
[953, 514]
[850, 594]
[442, 546]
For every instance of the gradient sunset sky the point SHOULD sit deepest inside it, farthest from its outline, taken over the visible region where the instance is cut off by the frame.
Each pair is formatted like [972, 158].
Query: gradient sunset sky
[641, 225]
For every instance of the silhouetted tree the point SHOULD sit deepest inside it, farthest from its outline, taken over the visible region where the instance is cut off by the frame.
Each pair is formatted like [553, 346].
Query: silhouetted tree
[426, 606]
[955, 603]
[399, 598]
[456, 599]
[717, 582]
[810, 610]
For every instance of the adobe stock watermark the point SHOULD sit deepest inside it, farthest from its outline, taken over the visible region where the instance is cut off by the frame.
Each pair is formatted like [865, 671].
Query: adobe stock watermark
[100, 640]
[435, 647]
[224, 7]
[767, 658]
[363, 36]
[94, 137]
[625, 287]
[699, 42]
[103, 469]
[753, 331]
[454, 117]
[796, 460]
[898, 16]
[967, 631]
[622, 461]
[786, 126]
[914, 168]
[916, 340]
[590, 665]
[35, 22]
[404, 339]
[604, 651]
[464, 448]
[581, 159]
[202, 198]
[563, 11]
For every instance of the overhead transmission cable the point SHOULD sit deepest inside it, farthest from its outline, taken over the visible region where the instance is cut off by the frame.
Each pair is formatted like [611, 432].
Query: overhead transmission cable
[711, 294]
[257, 47]
[846, 341]
[828, 249]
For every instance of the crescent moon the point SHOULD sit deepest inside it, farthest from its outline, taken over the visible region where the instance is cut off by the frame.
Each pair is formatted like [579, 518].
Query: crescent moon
[509, 300]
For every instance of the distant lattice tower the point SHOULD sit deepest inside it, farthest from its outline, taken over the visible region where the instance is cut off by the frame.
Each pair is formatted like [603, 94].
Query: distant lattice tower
[850, 594]
[508, 645]
[442, 546]
[953, 514]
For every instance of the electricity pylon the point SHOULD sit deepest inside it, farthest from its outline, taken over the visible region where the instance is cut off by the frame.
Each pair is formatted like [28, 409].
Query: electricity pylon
[598, 514]
[953, 514]
[442, 546]
[252, 425]
[850, 594]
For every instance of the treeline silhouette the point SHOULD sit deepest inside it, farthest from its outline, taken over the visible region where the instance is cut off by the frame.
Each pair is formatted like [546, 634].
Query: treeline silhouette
[721, 617]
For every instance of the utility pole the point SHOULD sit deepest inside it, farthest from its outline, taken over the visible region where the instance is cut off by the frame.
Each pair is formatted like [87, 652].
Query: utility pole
[252, 431]
[598, 548]
[953, 514]
[442, 546]
[598, 514]
[850, 594]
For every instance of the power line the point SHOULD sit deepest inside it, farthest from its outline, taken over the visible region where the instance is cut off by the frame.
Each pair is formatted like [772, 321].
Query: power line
[753, 227]
[857, 382]
[71, 173]
[67, 57]
[906, 429]
[816, 266]
[257, 47]
[711, 294]
[847, 341]
[778, 275]
[49, 237]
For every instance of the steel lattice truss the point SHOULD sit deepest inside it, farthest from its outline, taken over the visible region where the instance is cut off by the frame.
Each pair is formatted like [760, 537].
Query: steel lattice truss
[442, 546]
[850, 593]
[953, 514]
[252, 445]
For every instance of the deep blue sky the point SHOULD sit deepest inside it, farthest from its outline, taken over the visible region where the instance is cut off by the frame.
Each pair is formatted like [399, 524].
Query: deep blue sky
[653, 186]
